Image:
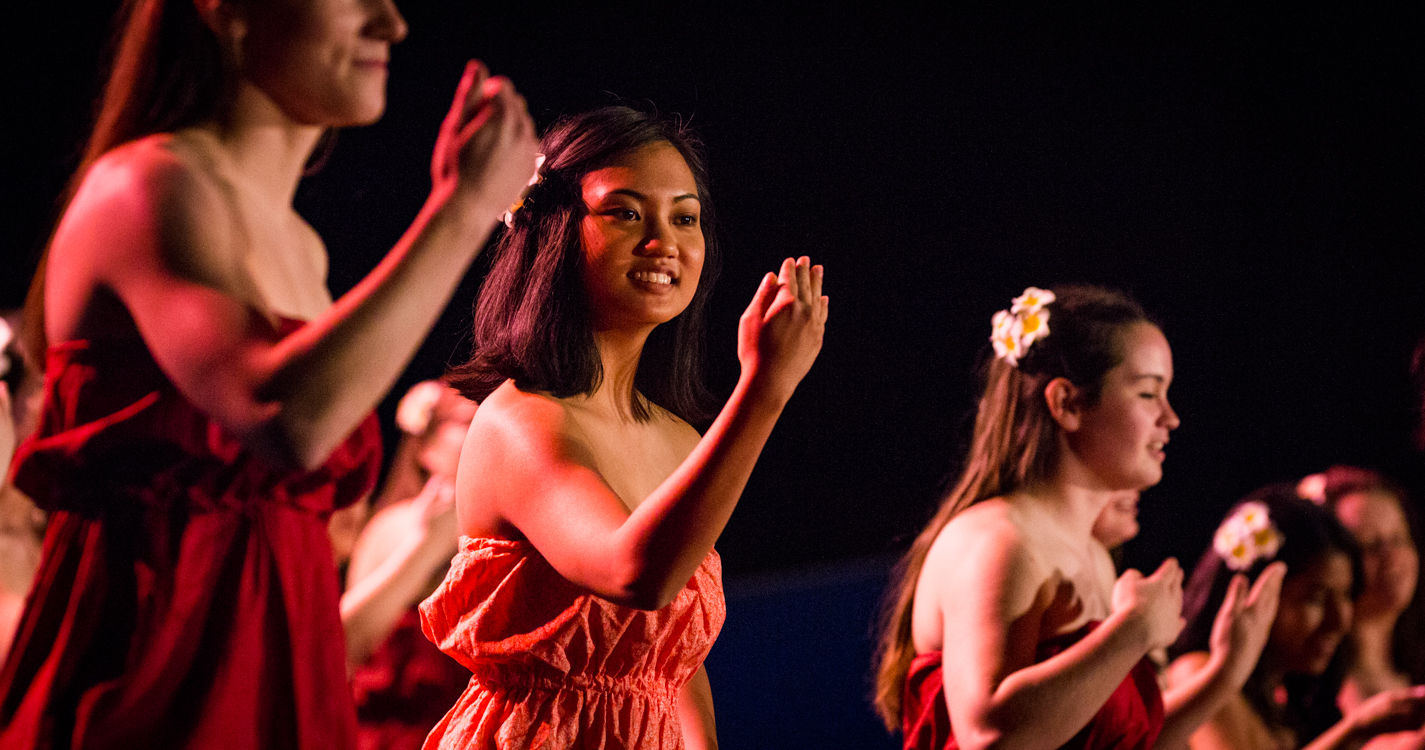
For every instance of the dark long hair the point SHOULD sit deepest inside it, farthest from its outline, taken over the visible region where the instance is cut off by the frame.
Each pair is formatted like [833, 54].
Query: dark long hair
[1309, 534]
[532, 321]
[167, 72]
[1015, 445]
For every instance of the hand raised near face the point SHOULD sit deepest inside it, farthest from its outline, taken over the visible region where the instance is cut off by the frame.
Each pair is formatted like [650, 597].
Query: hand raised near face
[1244, 621]
[486, 146]
[1156, 602]
[780, 333]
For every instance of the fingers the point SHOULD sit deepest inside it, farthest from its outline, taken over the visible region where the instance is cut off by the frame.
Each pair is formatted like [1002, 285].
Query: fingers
[1168, 570]
[1234, 600]
[787, 276]
[804, 288]
[762, 299]
[472, 84]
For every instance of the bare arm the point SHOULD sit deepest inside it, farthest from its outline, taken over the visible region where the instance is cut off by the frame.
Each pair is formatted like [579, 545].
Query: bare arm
[1199, 689]
[521, 467]
[987, 582]
[695, 713]
[398, 553]
[150, 230]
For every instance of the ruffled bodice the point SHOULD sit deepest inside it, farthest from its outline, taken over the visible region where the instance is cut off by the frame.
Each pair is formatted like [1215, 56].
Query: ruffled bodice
[556, 667]
[187, 590]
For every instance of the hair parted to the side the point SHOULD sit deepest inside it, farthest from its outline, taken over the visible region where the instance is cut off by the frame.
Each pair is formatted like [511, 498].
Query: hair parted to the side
[532, 320]
[167, 72]
[1308, 534]
[1015, 445]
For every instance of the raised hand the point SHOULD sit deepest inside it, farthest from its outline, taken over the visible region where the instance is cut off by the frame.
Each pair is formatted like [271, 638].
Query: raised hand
[780, 333]
[1156, 600]
[486, 147]
[1399, 710]
[1243, 622]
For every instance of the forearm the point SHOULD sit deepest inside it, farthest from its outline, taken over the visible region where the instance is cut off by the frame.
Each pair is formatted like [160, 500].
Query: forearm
[695, 713]
[1341, 736]
[1043, 706]
[668, 535]
[373, 605]
[332, 371]
[1194, 701]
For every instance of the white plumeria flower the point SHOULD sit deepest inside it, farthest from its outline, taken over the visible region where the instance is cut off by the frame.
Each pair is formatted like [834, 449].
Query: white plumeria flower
[1033, 325]
[1006, 334]
[1247, 536]
[414, 412]
[1033, 300]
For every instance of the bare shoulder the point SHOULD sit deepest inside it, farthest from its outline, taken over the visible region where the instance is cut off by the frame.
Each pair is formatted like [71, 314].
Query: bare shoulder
[678, 432]
[152, 201]
[1184, 667]
[985, 555]
[512, 421]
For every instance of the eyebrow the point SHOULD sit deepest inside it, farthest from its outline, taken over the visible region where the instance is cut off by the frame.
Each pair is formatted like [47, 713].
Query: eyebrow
[1150, 376]
[640, 196]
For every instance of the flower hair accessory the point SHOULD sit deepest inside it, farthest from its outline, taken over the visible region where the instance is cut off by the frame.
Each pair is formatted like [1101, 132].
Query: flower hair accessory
[509, 216]
[1026, 321]
[1247, 536]
[414, 412]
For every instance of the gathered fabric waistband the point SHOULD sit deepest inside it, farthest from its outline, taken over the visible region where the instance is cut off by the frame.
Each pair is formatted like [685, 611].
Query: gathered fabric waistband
[498, 678]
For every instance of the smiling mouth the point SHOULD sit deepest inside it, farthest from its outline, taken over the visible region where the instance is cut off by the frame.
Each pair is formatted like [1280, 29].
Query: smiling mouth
[651, 277]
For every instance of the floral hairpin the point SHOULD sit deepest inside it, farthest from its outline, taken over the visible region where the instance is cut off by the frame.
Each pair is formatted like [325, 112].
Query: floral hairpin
[1312, 487]
[414, 412]
[1026, 321]
[1247, 536]
[509, 216]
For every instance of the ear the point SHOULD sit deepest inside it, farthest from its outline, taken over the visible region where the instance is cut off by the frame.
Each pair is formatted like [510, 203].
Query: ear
[1062, 398]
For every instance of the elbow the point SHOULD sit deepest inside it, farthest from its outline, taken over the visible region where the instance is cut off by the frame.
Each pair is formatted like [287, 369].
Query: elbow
[982, 739]
[289, 442]
[642, 587]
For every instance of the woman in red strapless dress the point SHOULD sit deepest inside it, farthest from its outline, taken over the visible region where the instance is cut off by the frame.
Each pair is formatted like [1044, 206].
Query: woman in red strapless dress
[586, 591]
[206, 404]
[1007, 624]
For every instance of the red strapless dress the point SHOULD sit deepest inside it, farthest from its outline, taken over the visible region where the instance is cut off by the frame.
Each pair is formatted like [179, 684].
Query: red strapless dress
[1129, 720]
[186, 595]
[404, 689]
[556, 667]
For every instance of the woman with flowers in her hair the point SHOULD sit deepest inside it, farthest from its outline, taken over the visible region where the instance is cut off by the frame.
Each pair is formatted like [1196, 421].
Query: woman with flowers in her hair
[1289, 698]
[1007, 628]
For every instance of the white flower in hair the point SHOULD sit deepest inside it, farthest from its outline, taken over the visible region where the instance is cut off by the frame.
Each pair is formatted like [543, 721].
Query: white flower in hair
[414, 412]
[1247, 536]
[508, 217]
[1005, 330]
[1026, 321]
[1312, 487]
[1033, 300]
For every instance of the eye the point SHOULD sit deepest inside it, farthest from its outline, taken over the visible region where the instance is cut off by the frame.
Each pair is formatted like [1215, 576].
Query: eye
[622, 214]
[686, 220]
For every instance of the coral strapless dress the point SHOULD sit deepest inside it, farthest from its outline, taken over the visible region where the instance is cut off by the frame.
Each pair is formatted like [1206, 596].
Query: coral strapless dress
[186, 595]
[555, 667]
[1129, 720]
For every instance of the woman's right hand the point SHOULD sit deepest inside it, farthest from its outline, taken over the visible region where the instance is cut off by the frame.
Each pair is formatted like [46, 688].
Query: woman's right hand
[1243, 622]
[1398, 710]
[781, 331]
[486, 147]
[1156, 601]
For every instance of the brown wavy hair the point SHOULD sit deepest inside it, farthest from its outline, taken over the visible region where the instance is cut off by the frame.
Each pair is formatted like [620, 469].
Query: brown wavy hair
[1015, 445]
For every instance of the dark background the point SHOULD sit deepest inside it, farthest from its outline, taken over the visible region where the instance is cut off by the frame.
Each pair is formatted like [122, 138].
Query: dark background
[1253, 180]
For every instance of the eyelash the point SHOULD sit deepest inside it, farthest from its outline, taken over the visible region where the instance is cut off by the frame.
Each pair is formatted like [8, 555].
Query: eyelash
[628, 214]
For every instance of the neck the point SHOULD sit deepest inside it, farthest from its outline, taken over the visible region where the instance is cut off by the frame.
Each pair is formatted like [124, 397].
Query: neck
[619, 352]
[264, 146]
[1073, 502]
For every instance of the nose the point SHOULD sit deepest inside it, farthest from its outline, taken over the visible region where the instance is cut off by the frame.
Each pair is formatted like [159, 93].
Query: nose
[1170, 418]
[386, 22]
[1338, 614]
[658, 240]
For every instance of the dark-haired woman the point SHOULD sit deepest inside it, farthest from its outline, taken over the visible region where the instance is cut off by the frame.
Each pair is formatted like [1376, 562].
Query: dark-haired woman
[586, 592]
[1289, 699]
[1385, 643]
[206, 402]
[1007, 628]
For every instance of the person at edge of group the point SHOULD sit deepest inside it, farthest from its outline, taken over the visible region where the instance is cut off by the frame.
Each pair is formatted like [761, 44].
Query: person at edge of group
[22, 525]
[402, 683]
[1006, 627]
[207, 403]
[1289, 700]
[586, 591]
[1387, 638]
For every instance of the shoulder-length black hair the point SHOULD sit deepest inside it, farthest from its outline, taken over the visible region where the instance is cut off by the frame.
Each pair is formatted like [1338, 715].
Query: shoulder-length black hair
[1309, 534]
[532, 320]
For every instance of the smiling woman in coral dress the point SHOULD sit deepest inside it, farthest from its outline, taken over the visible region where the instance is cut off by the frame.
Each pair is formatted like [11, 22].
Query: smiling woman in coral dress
[586, 591]
[207, 403]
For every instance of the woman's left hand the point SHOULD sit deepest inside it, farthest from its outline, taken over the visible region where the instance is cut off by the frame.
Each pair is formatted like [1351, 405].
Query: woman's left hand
[1239, 633]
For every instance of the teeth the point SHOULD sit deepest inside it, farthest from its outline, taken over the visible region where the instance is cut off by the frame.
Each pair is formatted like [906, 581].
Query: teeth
[652, 277]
